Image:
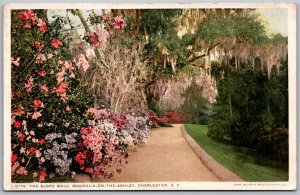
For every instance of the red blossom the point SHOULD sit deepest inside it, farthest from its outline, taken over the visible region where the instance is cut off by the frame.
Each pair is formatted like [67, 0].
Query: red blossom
[87, 170]
[41, 141]
[22, 137]
[61, 89]
[79, 158]
[14, 157]
[17, 124]
[85, 130]
[43, 175]
[27, 26]
[31, 149]
[119, 22]
[42, 73]
[31, 15]
[27, 15]
[38, 45]
[56, 43]
[23, 15]
[38, 104]
[42, 25]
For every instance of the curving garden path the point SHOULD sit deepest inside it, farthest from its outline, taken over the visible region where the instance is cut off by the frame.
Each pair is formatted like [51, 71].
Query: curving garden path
[166, 157]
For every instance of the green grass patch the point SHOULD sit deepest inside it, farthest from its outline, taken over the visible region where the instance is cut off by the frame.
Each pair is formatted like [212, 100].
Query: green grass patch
[240, 160]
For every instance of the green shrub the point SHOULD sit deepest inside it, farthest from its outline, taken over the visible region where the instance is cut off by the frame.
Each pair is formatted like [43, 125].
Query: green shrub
[167, 125]
[275, 145]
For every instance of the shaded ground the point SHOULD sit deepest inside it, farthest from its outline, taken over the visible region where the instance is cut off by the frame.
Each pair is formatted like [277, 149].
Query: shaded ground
[166, 157]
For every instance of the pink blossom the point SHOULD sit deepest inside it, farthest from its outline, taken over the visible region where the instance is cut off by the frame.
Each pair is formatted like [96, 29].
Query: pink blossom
[32, 16]
[28, 84]
[72, 75]
[38, 45]
[27, 26]
[99, 37]
[14, 167]
[15, 62]
[21, 171]
[36, 115]
[68, 109]
[119, 22]
[40, 59]
[61, 89]
[42, 25]
[60, 76]
[82, 61]
[49, 56]
[69, 67]
[22, 150]
[56, 43]
[104, 17]
[23, 15]
[35, 174]
[38, 153]
[44, 88]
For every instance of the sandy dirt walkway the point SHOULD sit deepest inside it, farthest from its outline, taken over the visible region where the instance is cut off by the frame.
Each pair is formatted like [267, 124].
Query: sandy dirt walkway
[166, 157]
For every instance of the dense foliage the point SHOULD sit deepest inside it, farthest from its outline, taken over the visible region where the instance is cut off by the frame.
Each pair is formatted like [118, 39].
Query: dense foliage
[250, 107]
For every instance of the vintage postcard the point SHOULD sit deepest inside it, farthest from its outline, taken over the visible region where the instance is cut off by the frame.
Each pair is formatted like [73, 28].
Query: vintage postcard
[149, 96]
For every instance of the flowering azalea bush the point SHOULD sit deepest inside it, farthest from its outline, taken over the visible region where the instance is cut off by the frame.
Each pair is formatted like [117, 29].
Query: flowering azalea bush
[54, 129]
[164, 121]
[105, 140]
[48, 98]
[156, 120]
[173, 117]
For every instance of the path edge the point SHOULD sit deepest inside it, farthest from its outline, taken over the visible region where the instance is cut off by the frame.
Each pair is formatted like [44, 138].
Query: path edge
[219, 170]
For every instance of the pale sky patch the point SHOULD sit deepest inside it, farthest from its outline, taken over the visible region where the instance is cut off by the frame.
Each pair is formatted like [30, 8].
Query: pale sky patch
[275, 20]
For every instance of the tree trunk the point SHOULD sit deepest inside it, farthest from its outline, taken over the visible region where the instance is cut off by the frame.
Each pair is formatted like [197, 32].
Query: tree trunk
[87, 29]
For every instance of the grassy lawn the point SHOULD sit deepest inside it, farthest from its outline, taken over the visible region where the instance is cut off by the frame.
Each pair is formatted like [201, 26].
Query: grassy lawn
[239, 160]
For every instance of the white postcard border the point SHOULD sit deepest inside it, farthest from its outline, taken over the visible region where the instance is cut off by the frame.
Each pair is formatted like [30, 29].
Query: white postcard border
[290, 185]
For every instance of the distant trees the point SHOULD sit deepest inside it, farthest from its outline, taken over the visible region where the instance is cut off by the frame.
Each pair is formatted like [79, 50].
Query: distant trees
[195, 108]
